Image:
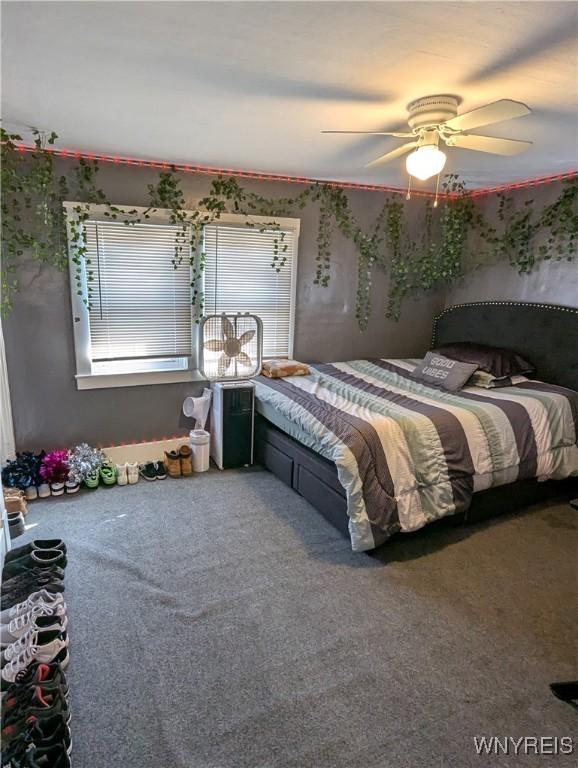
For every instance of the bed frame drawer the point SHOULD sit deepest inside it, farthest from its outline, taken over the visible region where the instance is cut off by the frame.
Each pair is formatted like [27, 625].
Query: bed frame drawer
[332, 505]
[276, 461]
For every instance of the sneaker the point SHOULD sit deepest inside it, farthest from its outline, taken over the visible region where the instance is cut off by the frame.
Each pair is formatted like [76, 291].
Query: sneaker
[121, 474]
[38, 558]
[45, 648]
[160, 470]
[186, 456]
[173, 463]
[24, 590]
[92, 480]
[19, 625]
[26, 549]
[41, 735]
[16, 525]
[50, 757]
[30, 577]
[71, 486]
[107, 474]
[132, 472]
[41, 596]
[148, 471]
[45, 675]
[31, 493]
[40, 624]
[43, 490]
[38, 705]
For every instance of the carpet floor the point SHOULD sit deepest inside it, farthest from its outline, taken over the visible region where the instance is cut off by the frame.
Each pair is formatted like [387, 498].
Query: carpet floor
[220, 622]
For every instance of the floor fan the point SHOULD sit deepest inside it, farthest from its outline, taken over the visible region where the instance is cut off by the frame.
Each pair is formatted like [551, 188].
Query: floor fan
[232, 346]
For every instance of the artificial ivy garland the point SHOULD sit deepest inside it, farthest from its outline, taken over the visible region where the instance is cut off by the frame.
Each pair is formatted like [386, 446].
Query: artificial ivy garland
[456, 237]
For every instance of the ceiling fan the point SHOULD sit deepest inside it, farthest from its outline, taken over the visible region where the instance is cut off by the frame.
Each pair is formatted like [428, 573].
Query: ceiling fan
[432, 118]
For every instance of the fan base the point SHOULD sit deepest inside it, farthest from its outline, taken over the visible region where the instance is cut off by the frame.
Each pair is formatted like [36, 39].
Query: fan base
[432, 110]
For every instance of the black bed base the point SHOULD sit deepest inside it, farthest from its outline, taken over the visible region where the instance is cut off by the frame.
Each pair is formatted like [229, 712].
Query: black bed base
[315, 478]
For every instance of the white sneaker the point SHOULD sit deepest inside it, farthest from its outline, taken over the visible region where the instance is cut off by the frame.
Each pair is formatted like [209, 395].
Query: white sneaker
[41, 596]
[19, 625]
[40, 624]
[132, 470]
[121, 474]
[45, 648]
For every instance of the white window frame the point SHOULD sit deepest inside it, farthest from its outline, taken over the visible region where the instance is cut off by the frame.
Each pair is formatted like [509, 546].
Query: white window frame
[85, 377]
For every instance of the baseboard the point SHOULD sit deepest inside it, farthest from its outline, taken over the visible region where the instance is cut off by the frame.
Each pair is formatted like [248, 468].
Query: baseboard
[142, 452]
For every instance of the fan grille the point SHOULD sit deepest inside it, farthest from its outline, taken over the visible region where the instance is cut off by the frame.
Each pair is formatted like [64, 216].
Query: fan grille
[231, 346]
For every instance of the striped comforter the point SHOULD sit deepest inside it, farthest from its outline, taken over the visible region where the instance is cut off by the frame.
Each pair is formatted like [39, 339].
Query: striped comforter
[407, 453]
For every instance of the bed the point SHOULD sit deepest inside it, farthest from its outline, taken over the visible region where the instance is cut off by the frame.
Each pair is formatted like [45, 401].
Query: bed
[379, 452]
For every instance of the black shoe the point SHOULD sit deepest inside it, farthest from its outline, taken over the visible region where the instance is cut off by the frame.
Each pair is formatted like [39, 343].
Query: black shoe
[161, 472]
[51, 757]
[31, 577]
[566, 691]
[38, 706]
[24, 590]
[148, 471]
[26, 549]
[38, 558]
[43, 735]
[47, 676]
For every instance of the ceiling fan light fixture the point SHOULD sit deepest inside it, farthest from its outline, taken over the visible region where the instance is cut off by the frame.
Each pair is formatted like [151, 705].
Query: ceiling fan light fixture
[425, 162]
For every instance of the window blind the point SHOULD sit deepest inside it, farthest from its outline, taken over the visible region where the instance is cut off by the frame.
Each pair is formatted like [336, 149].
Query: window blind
[239, 278]
[141, 304]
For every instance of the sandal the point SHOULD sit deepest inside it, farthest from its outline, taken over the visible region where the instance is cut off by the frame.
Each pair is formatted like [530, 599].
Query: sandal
[186, 456]
[173, 463]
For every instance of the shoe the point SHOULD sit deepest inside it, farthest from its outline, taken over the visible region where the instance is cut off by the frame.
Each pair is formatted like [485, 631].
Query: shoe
[49, 757]
[56, 489]
[16, 524]
[173, 463]
[38, 558]
[40, 704]
[71, 486]
[45, 675]
[18, 626]
[30, 576]
[148, 471]
[39, 624]
[21, 591]
[38, 738]
[160, 470]
[107, 474]
[92, 480]
[45, 647]
[40, 597]
[132, 472]
[26, 549]
[31, 493]
[121, 474]
[43, 490]
[186, 456]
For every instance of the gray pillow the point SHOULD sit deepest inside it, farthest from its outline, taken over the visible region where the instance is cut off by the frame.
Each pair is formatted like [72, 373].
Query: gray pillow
[443, 372]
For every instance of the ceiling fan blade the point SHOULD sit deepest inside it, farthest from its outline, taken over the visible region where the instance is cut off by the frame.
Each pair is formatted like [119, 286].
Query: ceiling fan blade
[496, 112]
[375, 133]
[393, 154]
[489, 144]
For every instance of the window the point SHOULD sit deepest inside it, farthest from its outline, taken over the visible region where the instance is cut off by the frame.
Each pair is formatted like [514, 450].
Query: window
[139, 328]
[239, 278]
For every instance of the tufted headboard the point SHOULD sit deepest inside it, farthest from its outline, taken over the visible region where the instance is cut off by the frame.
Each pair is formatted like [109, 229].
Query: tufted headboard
[546, 334]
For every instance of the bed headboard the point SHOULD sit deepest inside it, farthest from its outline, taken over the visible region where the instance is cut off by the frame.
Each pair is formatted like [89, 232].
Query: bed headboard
[547, 334]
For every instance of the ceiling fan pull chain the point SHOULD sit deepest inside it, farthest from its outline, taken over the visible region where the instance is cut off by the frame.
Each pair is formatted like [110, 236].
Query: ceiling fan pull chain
[435, 204]
[408, 196]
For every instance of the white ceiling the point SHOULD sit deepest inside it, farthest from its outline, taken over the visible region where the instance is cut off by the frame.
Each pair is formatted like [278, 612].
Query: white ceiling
[250, 85]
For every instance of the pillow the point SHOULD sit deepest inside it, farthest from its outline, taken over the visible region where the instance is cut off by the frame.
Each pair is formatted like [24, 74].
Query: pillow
[495, 360]
[443, 372]
[277, 369]
[487, 381]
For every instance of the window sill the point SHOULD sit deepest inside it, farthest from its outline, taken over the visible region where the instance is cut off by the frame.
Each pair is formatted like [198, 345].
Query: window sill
[111, 380]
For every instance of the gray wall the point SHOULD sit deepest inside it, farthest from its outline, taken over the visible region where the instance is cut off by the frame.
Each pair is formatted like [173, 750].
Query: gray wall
[553, 282]
[50, 412]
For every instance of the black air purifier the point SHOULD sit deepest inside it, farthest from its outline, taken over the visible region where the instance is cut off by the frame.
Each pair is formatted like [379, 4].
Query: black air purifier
[232, 423]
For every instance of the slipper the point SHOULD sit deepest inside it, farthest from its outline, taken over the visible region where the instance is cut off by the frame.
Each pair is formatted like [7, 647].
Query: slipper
[107, 474]
[92, 480]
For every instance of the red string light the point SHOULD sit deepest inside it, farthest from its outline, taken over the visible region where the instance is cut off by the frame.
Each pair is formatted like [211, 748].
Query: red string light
[275, 177]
